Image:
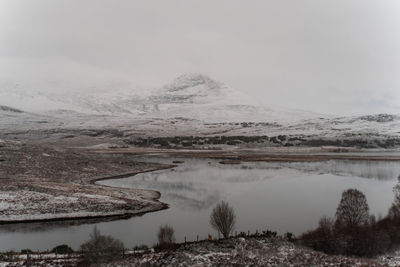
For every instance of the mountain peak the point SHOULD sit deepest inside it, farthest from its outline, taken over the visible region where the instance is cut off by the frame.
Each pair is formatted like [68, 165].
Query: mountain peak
[191, 80]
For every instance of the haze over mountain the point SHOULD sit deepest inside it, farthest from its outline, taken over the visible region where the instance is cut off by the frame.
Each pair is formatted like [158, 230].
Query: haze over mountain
[190, 105]
[192, 96]
[331, 57]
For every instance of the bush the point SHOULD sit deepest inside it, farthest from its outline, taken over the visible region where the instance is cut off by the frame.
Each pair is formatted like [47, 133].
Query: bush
[322, 238]
[101, 248]
[242, 234]
[394, 212]
[62, 249]
[223, 219]
[289, 237]
[269, 234]
[166, 235]
[26, 251]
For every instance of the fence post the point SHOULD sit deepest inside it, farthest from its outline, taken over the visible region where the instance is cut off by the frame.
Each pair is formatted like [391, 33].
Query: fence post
[197, 238]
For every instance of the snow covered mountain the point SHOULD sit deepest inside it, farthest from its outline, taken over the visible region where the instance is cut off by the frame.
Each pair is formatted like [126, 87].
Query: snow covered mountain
[190, 96]
[191, 105]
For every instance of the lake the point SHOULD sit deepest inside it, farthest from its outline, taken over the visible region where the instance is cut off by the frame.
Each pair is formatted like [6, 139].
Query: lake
[283, 197]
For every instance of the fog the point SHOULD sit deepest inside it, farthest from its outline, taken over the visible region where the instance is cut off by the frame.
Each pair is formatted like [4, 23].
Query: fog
[339, 57]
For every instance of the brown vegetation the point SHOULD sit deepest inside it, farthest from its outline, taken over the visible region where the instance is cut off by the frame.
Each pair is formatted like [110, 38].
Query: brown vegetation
[166, 235]
[354, 231]
[101, 248]
[223, 219]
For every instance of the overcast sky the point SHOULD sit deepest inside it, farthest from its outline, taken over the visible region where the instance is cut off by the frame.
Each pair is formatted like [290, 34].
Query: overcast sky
[336, 56]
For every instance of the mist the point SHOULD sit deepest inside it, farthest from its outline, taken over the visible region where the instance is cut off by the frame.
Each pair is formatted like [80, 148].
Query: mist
[337, 57]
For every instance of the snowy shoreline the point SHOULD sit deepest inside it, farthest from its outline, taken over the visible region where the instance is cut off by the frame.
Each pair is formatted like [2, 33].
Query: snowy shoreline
[36, 200]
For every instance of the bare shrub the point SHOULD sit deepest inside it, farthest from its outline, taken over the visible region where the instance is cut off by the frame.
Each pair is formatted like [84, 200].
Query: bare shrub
[101, 248]
[223, 219]
[166, 235]
[394, 212]
[353, 209]
[289, 236]
[326, 224]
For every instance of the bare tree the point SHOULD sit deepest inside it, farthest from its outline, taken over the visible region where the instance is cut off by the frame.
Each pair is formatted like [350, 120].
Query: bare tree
[166, 235]
[101, 248]
[353, 209]
[394, 211]
[223, 219]
[325, 224]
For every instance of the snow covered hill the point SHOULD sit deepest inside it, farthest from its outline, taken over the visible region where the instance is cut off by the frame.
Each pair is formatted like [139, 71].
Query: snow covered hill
[191, 105]
[190, 96]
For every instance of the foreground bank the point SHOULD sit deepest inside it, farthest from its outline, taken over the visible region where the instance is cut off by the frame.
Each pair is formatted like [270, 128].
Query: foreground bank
[249, 251]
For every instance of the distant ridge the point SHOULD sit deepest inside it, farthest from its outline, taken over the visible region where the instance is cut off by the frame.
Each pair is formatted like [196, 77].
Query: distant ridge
[10, 109]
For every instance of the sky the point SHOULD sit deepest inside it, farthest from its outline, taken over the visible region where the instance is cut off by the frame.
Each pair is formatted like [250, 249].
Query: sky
[339, 57]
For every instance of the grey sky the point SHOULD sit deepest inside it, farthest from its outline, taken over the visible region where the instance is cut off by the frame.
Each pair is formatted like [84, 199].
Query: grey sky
[337, 56]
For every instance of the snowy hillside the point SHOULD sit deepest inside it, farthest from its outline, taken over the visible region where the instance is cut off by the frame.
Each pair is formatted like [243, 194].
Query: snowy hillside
[191, 105]
[191, 96]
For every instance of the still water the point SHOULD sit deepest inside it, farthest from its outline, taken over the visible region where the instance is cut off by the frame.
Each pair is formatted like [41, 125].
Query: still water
[284, 197]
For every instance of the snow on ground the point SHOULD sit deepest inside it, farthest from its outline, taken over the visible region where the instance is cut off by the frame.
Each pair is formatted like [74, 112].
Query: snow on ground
[38, 259]
[249, 251]
[45, 200]
[244, 252]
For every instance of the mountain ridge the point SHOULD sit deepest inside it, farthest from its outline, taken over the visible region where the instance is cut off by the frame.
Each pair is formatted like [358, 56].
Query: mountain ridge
[191, 105]
[190, 95]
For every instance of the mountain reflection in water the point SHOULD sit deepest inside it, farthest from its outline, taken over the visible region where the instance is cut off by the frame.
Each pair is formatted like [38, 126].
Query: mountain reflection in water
[195, 185]
[277, 196]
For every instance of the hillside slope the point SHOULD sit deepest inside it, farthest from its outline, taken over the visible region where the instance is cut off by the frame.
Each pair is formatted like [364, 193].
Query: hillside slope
[191, 105]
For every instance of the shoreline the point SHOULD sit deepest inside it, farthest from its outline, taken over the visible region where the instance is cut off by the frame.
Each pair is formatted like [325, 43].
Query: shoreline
[142, 201]
[45, 184]
[118, 214]
[248, 156]
[125, 175]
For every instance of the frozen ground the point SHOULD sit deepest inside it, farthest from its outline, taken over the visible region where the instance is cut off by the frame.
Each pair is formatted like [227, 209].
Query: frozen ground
[49, 201]
[44, 183]
[233, 252]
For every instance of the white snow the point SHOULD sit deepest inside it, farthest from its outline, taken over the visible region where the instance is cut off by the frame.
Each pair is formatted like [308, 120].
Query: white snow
[192, 96]
[193, 104]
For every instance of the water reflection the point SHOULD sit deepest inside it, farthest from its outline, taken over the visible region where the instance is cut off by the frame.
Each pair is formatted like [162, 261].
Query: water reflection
[277, 196]
[198, 184]
[381, 170]
[54, 225]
